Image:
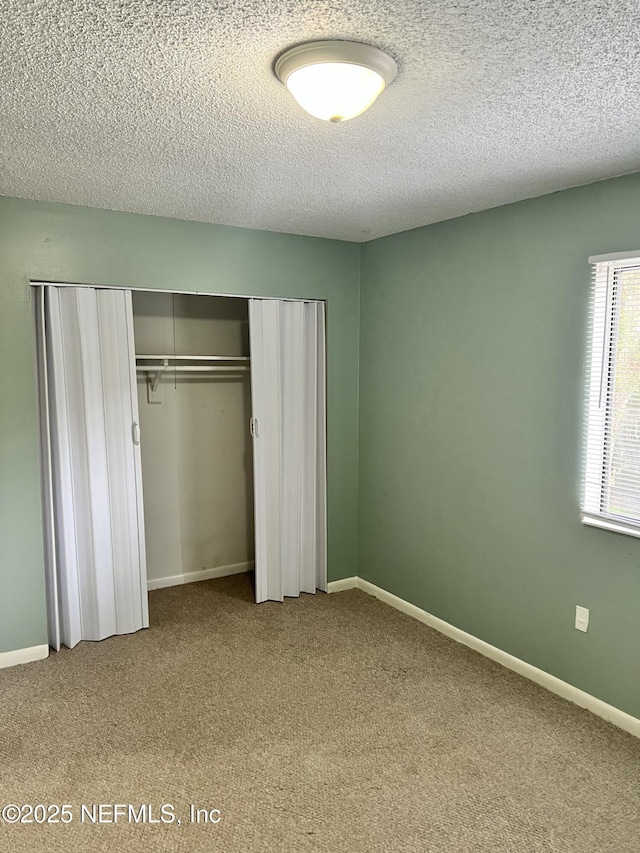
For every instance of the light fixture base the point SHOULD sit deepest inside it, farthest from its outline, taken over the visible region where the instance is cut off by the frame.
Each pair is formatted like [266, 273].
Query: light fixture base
[349, 52]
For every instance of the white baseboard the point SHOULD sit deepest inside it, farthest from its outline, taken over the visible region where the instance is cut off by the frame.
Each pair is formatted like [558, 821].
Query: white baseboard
[342, 585]
[23, 655]
[544, 679]
[204, 575]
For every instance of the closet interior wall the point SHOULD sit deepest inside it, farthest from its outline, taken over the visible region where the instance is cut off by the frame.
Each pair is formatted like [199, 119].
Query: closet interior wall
[196, 447]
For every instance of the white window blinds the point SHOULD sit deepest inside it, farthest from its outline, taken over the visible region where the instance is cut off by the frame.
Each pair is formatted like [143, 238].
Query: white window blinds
[611, 459]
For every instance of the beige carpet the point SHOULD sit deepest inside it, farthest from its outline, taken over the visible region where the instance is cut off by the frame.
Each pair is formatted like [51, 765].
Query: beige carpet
[330, 723]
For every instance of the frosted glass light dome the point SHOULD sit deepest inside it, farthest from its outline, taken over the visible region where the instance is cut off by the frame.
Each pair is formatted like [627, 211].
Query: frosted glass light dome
[335, 80]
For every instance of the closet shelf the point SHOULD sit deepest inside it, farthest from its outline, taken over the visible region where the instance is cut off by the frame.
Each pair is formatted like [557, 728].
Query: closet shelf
[156, 365]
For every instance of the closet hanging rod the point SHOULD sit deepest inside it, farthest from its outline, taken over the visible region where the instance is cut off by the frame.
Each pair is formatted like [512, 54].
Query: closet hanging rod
[193, 368]
[192, 357]
[229, 364]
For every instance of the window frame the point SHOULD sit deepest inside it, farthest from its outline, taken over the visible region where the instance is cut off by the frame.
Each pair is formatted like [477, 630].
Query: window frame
[604, 315]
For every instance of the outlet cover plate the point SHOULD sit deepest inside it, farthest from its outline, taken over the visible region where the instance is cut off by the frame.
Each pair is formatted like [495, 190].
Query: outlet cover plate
[582, 618]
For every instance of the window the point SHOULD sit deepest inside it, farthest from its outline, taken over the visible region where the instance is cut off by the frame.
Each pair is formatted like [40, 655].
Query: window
[611, 473]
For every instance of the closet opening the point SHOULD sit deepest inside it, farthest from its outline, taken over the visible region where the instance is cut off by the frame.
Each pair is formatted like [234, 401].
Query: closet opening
[183, 438]
[194, 403]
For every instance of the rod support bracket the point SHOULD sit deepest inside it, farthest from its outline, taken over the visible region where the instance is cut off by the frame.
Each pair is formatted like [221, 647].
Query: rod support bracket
[156, 377]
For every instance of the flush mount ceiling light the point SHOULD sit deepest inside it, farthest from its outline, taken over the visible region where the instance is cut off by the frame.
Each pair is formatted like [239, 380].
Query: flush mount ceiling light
[335, 80]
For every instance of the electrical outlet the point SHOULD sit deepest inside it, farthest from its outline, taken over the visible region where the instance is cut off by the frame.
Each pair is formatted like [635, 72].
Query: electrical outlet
[582, 618]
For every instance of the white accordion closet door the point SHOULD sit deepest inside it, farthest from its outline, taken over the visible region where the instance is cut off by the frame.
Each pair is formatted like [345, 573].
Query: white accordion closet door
[288, 386]
[94, 522]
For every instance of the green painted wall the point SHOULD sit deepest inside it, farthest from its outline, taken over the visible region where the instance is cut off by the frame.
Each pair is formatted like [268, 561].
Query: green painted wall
[74, 244]
[471, 372]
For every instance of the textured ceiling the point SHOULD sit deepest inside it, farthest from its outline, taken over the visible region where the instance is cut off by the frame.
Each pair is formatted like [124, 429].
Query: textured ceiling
[171, 107]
